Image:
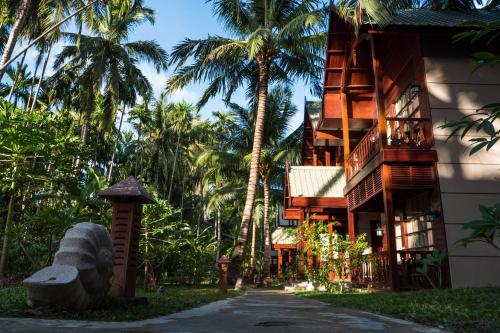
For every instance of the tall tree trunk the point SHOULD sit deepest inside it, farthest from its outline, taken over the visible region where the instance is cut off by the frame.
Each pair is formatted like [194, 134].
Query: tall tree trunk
[251, 266]
[173, 169]
[44, 68]
[116, 145]
[37, 64]
[6, 235]
[238, 253]
[84, 135]
[14, 34]
[267, 234]
[18, 72]
[218, 230]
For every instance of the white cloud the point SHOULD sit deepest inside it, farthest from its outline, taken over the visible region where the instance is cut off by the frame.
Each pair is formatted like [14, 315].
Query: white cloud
[156, 79]
[186, 95]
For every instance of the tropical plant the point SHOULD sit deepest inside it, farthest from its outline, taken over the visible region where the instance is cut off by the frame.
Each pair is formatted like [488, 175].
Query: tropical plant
[275, 42]
[433, 262]
[107, 59]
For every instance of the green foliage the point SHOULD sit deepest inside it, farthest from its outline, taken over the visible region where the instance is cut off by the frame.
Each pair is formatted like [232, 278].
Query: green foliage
[482, 121]
[172, 250]
[434, 261]
[473, 310]
[486, 229]
[342, 255]
[173, 299]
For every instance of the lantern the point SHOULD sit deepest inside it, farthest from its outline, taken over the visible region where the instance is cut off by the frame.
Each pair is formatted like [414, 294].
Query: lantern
[379, 231]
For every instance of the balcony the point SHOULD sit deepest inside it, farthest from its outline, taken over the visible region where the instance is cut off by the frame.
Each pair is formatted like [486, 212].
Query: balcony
[374, 272]
[402, 133]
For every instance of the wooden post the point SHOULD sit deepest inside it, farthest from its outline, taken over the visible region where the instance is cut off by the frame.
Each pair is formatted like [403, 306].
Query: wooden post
[127, 197]
[331, 273]
[345, 129]
[280, 263]
[388, 223]
[351, 226]
[379, 95]
[223, 264]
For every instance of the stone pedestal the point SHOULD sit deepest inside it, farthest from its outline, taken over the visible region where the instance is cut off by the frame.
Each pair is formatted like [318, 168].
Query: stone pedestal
[127, 196]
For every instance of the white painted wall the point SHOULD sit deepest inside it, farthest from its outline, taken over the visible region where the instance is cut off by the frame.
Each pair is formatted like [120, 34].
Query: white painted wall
[465, 181]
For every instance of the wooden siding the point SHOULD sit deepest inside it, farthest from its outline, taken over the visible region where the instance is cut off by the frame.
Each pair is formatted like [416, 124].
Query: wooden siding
[465, 181]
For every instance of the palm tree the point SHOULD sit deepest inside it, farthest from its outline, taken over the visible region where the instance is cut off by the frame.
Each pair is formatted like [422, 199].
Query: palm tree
[275, 41]
[22, 14]
[107, 59]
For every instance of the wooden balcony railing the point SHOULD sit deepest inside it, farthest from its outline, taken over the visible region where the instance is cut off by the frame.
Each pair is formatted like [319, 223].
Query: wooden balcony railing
[375, 271]
[402, 133]
[408, 133]
[364, 151]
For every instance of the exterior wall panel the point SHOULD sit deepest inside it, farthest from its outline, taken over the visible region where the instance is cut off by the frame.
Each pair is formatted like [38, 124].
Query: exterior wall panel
[465, 181]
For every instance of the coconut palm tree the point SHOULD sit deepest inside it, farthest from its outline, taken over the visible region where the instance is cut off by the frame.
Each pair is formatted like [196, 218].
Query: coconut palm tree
[274, 41]
[106, 58]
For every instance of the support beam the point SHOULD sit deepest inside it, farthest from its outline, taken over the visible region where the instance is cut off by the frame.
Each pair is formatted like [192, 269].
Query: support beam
[280, 263]
[379, 94]
[388, 224]
[351, 225]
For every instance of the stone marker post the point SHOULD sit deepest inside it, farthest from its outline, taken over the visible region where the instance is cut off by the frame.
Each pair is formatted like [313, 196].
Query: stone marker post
[127, 197]
[223, 263]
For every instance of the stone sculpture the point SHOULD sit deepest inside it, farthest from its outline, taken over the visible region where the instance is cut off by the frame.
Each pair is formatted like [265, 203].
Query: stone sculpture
[81, 273]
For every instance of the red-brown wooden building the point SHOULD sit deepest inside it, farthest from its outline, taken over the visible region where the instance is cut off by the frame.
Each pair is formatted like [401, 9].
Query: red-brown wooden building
[374, 155]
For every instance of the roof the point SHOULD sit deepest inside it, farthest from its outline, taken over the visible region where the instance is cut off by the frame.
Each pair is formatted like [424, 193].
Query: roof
[129, 189]
[317, 181]
[439, 18]
[284, 236]
[313, 109]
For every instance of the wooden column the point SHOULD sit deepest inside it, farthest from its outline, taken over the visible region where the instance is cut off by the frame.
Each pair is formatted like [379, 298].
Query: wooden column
[345, 128]
[351, 225]
[331, 273]
[302, 262]
[388, 224]
[379, 94]
[280, 263]
[127, 196]
[327, 157]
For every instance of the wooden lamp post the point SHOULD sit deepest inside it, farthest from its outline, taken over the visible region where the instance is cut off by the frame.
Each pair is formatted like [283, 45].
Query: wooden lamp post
[127, 197]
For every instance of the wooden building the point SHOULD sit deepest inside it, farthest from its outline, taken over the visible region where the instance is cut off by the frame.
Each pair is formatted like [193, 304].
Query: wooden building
[376, 135]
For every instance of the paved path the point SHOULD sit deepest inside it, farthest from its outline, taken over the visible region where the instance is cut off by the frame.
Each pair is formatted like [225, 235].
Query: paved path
[256, 311]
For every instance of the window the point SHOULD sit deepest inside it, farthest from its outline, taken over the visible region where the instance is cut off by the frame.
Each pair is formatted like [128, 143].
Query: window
[408, 104]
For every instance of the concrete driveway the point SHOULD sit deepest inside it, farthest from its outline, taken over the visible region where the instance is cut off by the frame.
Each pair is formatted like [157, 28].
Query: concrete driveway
[256, 311]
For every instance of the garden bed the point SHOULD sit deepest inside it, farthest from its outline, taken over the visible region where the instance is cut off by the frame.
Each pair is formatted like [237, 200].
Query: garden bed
[459, 310]
[148, 305]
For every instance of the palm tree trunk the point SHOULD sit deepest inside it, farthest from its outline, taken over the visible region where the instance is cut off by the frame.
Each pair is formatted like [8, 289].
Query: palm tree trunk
[237, 258]
[218, 230]
[267, 234]
[37, 64]
[6, 235]
[9, 60]
[84, 135]
[173, 169]
[251, 266]
[18, 72]
[14, 34]
[44, 68]
[116, 145]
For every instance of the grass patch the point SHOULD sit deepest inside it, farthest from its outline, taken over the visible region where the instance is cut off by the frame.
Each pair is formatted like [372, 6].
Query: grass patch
[174, 299]
[459, 310]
